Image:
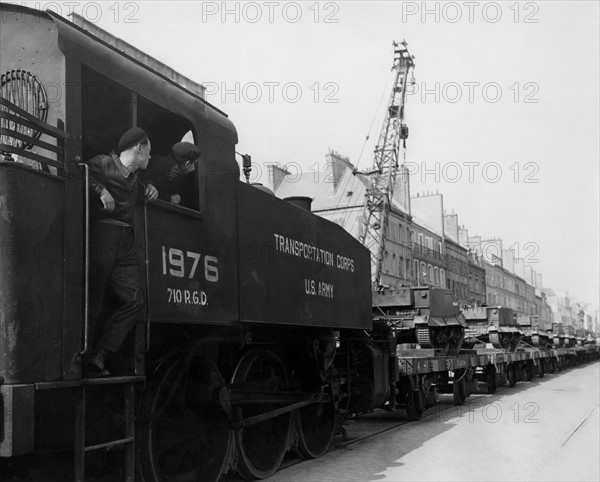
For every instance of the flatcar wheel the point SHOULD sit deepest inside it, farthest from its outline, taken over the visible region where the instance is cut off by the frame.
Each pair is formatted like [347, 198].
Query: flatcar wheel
[430, 392]
[542, 368]
[512, 376]
[459, 388]
[492, 382]
[186, 437]
[261, 446]
[529, 372]
[316, 427]
[414, 404]
[431, 398]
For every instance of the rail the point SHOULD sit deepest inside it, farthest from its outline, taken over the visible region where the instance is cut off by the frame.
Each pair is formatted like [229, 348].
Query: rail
[19, 130]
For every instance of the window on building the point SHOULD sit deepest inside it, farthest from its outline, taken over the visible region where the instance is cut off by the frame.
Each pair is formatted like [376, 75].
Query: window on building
[442, 278]
[421, 239]
[423, 273]
[440, 248]
[436, 276]
[430, 274]
[401, 267]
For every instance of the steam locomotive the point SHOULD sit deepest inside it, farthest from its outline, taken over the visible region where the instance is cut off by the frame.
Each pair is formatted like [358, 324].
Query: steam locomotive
[256, 308]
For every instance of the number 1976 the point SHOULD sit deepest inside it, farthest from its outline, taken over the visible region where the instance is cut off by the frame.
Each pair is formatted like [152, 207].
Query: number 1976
[177, 263]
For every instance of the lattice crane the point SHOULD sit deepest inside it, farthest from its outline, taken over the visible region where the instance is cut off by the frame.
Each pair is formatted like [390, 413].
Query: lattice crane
[382, 176]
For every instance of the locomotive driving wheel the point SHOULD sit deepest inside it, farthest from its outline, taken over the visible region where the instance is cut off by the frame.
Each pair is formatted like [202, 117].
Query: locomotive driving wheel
[185, 435]
[316, 427]
[261, 446]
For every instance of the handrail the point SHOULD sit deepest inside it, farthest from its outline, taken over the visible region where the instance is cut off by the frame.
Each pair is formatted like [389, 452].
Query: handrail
[146, 271]
[30, 140]
[86, 289]
[44, 126]
[32, 125]
[18, 141]
[31, 155]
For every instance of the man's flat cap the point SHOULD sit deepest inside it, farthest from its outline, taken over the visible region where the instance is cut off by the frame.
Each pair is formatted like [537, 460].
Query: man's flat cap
[185, 151]
[131, 138]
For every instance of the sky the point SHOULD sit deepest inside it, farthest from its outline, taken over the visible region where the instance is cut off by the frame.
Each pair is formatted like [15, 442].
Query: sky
[503, 116]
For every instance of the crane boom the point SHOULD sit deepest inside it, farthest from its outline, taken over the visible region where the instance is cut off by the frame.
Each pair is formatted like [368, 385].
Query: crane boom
[382, 177]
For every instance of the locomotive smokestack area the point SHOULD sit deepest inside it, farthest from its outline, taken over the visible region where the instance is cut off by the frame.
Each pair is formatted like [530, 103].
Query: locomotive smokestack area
[303, 202]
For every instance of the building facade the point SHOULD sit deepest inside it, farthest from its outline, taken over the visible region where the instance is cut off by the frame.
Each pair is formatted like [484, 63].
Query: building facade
[476, 287]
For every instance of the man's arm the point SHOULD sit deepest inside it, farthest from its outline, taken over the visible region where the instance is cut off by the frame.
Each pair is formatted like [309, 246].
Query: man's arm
[96, 176]
[166, 180]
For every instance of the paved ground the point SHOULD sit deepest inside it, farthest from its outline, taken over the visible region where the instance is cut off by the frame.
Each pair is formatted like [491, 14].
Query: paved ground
[543, 430]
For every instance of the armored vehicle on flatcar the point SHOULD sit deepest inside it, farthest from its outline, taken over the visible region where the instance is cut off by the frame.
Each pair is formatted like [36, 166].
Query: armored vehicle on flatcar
[492, 324]
[427, 316]
[558, 335]
[532, 334]
[570, 337]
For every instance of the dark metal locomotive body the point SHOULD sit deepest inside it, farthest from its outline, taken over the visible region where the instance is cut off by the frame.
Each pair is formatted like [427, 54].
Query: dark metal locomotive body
[247, 295]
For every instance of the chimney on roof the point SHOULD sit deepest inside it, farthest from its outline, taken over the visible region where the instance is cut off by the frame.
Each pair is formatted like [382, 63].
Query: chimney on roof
[402, 188]
[276, 175]
[339, 165]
